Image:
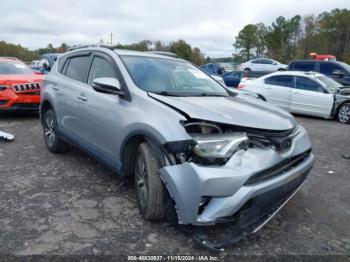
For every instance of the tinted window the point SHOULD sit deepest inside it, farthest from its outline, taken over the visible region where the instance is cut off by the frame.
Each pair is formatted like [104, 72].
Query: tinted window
[101, 68]
[258, 61]
[286, 81]
[303, 66]
[266, 61]
[77, 68]
[328, 68]
[308, 84]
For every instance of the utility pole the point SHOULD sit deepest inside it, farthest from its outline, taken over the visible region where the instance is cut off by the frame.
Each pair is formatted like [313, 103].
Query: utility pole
[111, 38]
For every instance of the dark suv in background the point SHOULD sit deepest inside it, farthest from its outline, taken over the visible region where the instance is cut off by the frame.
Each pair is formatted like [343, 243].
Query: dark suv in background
[339, 71]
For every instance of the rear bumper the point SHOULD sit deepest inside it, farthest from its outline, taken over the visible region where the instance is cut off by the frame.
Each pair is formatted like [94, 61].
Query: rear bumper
[224, 191]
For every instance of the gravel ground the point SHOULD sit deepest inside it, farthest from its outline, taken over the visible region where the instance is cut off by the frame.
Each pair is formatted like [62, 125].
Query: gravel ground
[70, 204]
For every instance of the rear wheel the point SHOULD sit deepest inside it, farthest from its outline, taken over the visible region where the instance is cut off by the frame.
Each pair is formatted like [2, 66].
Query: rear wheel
[53, 142]
[344, 113]
[150, 191]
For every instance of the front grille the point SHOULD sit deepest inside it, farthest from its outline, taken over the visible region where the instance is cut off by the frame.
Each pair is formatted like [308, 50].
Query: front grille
[278, 169]
[27, 88]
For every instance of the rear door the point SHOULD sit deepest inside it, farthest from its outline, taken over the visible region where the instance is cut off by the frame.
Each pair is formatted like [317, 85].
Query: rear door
[310, 98]
[68, 90]
[279, 90]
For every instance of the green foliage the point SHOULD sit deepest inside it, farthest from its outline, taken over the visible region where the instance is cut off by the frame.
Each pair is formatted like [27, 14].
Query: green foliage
[180, 48]
[22, 53]
[287, 39]
[18, 51]
[247, 39]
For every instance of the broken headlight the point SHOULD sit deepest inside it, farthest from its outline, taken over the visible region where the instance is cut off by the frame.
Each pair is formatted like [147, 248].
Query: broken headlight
[221, 146]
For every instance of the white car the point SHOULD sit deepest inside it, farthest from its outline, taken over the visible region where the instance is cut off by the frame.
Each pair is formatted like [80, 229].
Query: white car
[262, 64]
[305, 93]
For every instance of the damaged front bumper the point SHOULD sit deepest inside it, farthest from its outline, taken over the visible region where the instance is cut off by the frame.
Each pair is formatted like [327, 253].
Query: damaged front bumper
[206, 195]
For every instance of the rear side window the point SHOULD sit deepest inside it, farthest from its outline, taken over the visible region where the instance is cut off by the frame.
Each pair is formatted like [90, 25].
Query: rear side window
[101, 68]
[328, 68]
[258, 61]
[307, 84]
[286, 81]
[303, 66]
[78, 68]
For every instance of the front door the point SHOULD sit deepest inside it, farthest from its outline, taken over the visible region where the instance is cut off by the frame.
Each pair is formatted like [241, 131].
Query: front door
[102, 113]
[310, 98]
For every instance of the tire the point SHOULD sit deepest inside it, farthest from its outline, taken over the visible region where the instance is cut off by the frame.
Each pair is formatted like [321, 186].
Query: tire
[344, 113]
[247, 70]
[53, 142]
[150, 191]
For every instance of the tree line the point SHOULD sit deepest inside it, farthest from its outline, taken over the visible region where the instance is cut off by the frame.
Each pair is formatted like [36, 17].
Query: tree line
[287, 39]
[180, 48]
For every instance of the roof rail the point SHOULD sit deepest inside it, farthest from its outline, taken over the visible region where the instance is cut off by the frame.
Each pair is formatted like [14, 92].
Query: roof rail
[9, 57]
[170, 54]
[90, 45]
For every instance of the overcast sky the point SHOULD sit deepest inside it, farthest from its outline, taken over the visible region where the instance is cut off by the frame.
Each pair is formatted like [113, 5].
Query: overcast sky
[209, 25]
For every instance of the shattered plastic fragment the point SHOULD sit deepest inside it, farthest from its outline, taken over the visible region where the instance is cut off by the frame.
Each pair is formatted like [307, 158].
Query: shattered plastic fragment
[6, 136]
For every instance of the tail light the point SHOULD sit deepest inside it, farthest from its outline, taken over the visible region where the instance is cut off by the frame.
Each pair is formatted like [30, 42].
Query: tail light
[241, 86]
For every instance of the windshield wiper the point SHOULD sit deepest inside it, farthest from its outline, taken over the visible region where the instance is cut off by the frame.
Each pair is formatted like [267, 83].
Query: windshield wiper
[211, 94]
[166, 93]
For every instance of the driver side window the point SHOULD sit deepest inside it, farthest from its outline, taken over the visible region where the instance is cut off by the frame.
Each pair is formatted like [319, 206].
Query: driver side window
[307, 84]
[101, 68]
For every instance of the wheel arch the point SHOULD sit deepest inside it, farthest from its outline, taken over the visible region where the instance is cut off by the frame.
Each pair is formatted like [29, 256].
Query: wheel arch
[130, 145]
[338, 106]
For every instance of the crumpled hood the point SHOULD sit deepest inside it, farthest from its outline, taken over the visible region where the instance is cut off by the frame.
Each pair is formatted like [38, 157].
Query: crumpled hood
[344, 92]
[246, 112]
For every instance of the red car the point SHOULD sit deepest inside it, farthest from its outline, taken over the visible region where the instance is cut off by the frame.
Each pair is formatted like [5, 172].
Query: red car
[19, 86]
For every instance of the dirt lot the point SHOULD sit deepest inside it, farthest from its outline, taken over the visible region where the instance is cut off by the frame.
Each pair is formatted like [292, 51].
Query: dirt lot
[70, 204]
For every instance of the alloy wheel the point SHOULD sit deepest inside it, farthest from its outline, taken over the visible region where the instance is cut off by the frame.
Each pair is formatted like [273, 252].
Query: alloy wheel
[49, 130]
[140, 177]
[344, 114]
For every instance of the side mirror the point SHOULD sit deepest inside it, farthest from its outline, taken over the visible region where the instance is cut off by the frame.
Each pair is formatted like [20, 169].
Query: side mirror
[274, 63]
[338, 73]
[107, 85]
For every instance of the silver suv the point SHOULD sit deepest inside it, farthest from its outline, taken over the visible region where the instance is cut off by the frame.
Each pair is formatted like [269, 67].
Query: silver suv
[196, 150]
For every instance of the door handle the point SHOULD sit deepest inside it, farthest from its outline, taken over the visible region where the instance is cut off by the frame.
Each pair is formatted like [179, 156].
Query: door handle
[82, 97]
[296, 93]
[54, 87]
[267, 87]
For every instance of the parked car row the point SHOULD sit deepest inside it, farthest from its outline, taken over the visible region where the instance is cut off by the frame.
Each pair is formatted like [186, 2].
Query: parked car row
[305, 93]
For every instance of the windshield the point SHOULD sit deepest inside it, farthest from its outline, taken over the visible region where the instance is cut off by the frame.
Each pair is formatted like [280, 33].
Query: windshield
[332, 85]
[346, 66]
[10, 68]
[171, 77]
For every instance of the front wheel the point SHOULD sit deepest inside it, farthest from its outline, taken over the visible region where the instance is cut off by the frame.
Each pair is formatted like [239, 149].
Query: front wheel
[149, 188]
[344, 113]
[53, 142]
